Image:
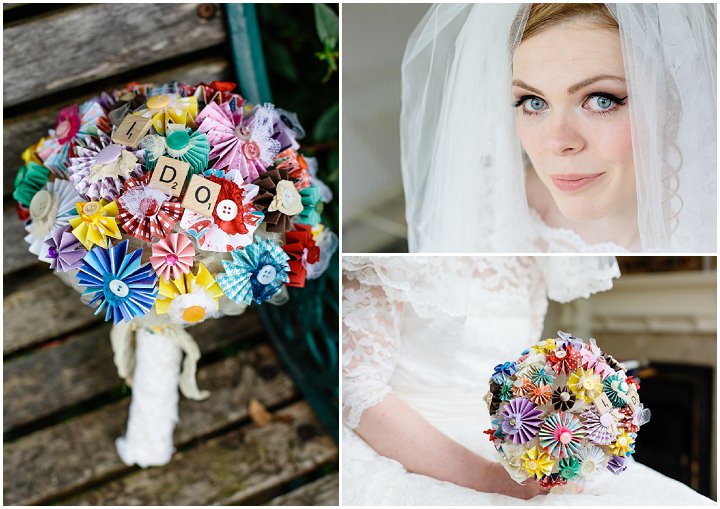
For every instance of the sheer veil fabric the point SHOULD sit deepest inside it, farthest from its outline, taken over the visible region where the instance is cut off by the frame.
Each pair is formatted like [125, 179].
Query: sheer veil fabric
[462, 162]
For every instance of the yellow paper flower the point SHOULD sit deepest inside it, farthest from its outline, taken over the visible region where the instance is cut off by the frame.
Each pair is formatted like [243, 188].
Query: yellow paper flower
[546, 347]
[536, 462]
[95, 223]
[622, 444]
[586, 385]
[189, 299]
[166, 109]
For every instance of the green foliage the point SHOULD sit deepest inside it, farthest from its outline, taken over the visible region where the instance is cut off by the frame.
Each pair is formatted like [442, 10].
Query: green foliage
[300, 45]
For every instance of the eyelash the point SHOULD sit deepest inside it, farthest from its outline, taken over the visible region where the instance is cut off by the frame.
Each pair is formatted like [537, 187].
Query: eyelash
[617, 100]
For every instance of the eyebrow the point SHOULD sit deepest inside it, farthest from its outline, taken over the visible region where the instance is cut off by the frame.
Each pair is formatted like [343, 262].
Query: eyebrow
[574, 88]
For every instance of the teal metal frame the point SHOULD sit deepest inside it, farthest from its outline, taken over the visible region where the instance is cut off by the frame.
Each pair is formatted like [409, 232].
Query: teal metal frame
[305, 331]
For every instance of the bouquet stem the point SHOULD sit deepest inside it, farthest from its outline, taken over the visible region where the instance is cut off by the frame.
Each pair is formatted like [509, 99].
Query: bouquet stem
[148, 440]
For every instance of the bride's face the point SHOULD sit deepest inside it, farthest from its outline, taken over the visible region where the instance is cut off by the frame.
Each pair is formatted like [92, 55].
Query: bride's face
[573, 119]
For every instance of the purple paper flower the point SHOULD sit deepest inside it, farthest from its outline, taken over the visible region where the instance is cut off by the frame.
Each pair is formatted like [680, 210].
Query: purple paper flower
[521, 420]
[618, 464]
[64, 250]
[602, 429]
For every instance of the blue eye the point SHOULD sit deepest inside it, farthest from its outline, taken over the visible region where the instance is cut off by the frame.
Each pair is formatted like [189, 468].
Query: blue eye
[534, 104]
[600, 103]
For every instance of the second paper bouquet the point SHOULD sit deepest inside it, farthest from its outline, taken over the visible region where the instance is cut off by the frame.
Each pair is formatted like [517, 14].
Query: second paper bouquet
[563, 411]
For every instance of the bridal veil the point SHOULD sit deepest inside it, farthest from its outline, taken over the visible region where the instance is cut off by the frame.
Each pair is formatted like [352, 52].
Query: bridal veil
[462, 162]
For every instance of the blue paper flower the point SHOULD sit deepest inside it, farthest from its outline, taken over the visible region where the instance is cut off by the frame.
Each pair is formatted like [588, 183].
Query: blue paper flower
[256, 272]
[122, 286]
[312, 206]
[504, 371]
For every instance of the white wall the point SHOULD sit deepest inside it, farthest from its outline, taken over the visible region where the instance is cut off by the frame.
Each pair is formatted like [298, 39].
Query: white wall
[373, 42]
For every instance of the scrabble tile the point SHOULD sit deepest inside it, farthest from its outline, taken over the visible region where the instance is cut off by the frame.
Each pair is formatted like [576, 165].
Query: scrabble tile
[603, 404]
[201, 195]
[170, 175]
[633, 398]
[131, 130]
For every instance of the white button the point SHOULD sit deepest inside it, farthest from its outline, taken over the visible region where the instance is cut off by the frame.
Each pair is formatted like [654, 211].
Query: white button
[40, 204]
[119, 288]
[560, 354]
[266, 275]
[227, 210]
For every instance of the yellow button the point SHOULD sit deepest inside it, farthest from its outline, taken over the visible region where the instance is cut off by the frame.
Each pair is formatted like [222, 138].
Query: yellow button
[194, 314]
[159, 101]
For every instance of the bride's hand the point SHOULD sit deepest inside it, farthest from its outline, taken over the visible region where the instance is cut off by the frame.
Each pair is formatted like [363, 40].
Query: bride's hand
[502, 483]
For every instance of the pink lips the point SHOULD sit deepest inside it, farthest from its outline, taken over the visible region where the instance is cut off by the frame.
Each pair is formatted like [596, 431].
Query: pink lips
[574, 181]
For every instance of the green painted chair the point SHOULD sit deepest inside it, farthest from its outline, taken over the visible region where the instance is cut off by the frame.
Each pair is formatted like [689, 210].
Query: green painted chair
[305, 330]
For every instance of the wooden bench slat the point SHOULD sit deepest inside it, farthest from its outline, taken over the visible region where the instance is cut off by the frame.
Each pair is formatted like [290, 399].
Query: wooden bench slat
[49, 297]
[23, 130]
[61, 50]
[63, 458]
[229, 469]
[15, 250]
[80, 368]
[323, 491]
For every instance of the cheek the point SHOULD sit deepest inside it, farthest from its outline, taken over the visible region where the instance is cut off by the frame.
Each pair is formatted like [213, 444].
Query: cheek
[612, 141]
[530, 137]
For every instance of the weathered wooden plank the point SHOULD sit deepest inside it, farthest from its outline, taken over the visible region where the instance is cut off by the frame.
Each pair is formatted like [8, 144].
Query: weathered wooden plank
[60, 51]
[41, 384]
[63, 458]
[323, 491]
[47, 298]
[229, 469]
[23, 130]
[15, 253]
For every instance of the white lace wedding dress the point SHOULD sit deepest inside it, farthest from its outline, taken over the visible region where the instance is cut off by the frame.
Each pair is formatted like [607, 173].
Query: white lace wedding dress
[430, 330]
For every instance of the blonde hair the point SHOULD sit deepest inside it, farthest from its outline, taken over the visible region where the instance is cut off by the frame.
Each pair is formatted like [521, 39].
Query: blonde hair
[543, 16]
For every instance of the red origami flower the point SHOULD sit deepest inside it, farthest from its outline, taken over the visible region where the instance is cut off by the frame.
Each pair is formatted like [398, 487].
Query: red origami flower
[145, 212]
[300, 246]
[246, 212]
[564, 360]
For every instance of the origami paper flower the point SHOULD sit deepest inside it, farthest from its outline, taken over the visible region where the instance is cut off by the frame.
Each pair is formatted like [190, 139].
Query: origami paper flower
[95, 223]
[278, 199]
[181, 144]
[551, 481]
[540, 375]
[302, 250]
[123, 104]
[191, 298]
[521, 420]
[29, 180]
[618, 464]
[561, 434]
[602, 429]
[312, 206]
[628, 419]
[172, 256]
[569, 468]
[64, 250]
[287, 129]
[622, 444]
[216, 92]
[616, 389]
[296, 167]
[245, 144]
[506, 393]
[545, 347]
[590, 355]
[51, 209]
[563, 399]
[100, 167]
[566, 339]
[74, 122]
[170, 109]
[146, 212]
[256, 273]
[591, 459]
[492, 398]
[118, 282]
[540, 394]
[537, 463]
[585, 384]
[522, 386]
[504, 371]
[564, 360]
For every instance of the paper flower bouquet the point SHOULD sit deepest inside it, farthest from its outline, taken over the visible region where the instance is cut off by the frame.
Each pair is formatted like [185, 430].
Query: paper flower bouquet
[564, 411]
[167, 206]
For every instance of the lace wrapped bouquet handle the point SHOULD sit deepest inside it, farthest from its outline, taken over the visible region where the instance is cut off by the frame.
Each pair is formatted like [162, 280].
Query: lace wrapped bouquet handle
[166, 206]
[563, 411]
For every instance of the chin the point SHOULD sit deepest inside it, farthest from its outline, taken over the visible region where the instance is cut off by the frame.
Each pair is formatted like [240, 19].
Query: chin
[581, 208]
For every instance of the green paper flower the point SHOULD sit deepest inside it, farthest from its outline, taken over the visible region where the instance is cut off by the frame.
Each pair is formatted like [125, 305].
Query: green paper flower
[540, 375]
[312, 206]
[569, 468]
[29, 180]
[506, 391]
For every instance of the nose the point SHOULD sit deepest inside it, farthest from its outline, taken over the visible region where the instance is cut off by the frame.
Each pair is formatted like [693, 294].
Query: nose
[565, 137]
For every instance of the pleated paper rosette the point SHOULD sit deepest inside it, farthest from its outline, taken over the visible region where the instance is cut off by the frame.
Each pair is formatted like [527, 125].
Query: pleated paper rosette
[564, 412]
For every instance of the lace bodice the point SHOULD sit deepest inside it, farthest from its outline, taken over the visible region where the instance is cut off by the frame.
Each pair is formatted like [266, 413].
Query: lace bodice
[549, 239]
[414, 324]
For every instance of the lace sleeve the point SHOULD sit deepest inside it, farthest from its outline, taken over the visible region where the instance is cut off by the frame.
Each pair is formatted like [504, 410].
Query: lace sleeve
[571, 277]
[371, 326]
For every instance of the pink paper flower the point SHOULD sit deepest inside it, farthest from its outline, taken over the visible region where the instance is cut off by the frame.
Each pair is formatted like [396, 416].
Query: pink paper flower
[173, 256]
[243, 144]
